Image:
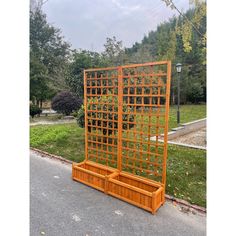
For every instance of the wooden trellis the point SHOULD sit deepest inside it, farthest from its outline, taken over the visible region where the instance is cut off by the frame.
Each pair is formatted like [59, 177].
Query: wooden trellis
[126, 111]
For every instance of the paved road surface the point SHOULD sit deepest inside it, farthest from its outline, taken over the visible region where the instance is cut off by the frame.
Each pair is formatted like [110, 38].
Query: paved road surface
[62, 207]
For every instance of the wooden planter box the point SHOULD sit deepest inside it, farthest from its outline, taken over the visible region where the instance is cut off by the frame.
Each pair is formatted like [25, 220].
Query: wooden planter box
[136, 190]
[92, 174]
[141, 192]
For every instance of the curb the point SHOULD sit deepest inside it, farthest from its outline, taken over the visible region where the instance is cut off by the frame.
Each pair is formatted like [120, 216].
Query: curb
[184, 145]
[52, 156]
[186, 206]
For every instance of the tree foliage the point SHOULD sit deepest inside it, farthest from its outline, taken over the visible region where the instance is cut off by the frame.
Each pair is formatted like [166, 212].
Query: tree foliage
[54, 67]
[48, 58]
[177, 40]
[34, 110]
[81, 60]
[66, 102]
[114, 51]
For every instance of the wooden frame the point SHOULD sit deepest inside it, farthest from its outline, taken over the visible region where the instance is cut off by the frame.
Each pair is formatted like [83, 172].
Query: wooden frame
[124, 107]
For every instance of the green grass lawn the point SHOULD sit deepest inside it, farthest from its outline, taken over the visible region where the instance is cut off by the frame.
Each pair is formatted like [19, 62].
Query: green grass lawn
[186, 168]
[49, 117]
[66, 140]
[187, 113]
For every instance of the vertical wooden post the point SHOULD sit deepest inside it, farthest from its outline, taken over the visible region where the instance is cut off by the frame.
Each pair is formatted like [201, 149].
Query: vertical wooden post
[120, 120]
[166, 123]
[85, 117]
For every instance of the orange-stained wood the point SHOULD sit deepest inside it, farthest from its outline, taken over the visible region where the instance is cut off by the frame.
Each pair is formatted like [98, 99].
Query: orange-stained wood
[120, 108]
[125, 107]
[85, 118]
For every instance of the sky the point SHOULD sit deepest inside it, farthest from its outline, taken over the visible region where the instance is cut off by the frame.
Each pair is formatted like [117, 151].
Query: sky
[87, 23]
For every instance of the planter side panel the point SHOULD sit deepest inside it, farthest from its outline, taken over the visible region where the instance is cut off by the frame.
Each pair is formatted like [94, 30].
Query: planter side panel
[158, 200]
[130, 195]
[136, 183]
[90, 179]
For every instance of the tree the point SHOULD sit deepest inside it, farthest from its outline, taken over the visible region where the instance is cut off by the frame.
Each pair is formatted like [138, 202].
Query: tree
[82, 60]
[194, 21]
[195, 92]
[114, 51]
[34, 110]
[177, 40]
[39, 89]
[66, 102]
[49, 55]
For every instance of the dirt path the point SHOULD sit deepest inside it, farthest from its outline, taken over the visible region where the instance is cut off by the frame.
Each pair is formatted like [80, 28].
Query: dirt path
[197, 138]
[46, 122]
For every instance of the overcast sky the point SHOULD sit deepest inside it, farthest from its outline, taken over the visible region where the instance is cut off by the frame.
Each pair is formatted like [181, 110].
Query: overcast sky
[87, 23]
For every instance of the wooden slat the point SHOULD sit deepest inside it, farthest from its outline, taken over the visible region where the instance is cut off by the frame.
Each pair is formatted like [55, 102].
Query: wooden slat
[89, 172]
[141, 179]
[139, 190]
[120, 112]
[130, 201]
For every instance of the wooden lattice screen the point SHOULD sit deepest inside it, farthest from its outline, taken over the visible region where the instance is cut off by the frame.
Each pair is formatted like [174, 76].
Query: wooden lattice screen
[126, 112]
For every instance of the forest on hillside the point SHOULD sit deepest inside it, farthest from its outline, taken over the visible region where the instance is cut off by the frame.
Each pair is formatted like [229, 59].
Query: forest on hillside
[55, 66]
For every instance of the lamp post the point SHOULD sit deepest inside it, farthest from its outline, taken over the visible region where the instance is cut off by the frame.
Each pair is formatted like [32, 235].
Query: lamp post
[178, 69]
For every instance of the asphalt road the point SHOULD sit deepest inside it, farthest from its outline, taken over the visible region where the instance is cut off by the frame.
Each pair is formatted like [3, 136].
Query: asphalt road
[60, 207]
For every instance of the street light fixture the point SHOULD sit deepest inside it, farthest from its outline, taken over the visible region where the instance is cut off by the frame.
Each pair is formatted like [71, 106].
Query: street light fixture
[178, 69]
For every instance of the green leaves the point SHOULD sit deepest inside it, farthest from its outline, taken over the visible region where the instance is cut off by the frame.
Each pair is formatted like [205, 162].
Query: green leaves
[48, 58]
[82, 60]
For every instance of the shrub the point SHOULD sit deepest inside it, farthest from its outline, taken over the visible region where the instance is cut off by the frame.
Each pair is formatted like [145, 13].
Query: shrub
[34, 110]
[104, 107]
[75, 114]
[66, 102]
[80, 117]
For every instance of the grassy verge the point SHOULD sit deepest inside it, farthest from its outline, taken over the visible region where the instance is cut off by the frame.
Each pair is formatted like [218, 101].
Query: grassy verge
[49, 117]
[188, 113]
[66, 140]
[186, 168]
[186, 174]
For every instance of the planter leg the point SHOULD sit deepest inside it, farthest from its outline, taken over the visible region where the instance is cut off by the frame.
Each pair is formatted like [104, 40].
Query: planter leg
[106, 185]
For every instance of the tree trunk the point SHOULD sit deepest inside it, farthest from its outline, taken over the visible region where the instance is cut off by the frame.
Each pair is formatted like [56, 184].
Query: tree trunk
[41, 103]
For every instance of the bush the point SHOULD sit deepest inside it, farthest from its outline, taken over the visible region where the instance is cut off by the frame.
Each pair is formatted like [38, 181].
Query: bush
[98, 115]
[80, 117]
[66, 102]
[34, 110]
[75, 114]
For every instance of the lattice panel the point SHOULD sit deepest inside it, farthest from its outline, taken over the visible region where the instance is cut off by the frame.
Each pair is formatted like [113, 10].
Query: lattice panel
[126, 112]
[145, 93]
[101, 94]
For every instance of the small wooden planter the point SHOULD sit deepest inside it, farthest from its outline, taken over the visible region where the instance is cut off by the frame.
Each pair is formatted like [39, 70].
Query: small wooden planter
[92, 174]
[141, 192]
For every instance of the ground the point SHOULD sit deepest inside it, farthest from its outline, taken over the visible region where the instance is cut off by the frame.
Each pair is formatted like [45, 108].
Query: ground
[197, 138]
[60, 207]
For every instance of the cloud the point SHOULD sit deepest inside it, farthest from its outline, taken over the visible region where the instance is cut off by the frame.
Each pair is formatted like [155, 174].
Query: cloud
[87, 23]
[126, 9]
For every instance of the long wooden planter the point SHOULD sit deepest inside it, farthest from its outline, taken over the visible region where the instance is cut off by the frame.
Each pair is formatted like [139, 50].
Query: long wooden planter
[138, 191]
